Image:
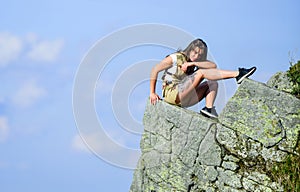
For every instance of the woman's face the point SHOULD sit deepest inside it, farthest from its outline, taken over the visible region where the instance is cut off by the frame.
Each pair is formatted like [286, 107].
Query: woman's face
[195, 54]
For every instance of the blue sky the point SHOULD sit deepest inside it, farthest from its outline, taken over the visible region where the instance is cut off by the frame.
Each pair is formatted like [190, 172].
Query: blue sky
[42, 45]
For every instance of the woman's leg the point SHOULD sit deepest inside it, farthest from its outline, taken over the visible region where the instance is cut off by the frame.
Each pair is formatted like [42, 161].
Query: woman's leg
[211, 93]
[216, 74]
[210, 74]
[207, 89]
[213, 75]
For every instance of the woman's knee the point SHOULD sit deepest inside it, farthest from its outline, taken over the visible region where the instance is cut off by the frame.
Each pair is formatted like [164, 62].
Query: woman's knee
[199, 74]
[213, 85]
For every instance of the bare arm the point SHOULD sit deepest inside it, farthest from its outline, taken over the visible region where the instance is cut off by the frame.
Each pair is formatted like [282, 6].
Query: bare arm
[164, 64]
[201, 64]
[205, 64]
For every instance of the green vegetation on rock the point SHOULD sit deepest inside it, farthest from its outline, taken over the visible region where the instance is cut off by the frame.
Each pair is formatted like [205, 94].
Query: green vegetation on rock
[288, 172]
[294, 75]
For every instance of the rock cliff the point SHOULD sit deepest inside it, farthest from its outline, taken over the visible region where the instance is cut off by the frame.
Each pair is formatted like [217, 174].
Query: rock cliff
[185, 151]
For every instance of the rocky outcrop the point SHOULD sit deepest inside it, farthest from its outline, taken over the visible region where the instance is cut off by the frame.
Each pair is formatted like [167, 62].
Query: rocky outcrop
[185, 151]
[280, 81]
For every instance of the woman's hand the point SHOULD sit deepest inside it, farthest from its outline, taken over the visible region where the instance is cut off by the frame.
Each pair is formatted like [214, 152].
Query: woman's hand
[184, 66]
[154, 98]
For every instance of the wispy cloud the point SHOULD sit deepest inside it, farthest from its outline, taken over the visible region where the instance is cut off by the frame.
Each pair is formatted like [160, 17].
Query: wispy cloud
[10, 48]
[18, 166]
[107, 149]
[13, 47]
[4, 129]
[45, 51]
[104, 87]
[98, 143]
[78, 144]
[28, 94]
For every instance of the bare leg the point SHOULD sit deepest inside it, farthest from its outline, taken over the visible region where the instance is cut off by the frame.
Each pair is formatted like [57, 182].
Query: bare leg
[217, 74]
[195, 92]
[211, 93]
[210, 74]
[207, 89]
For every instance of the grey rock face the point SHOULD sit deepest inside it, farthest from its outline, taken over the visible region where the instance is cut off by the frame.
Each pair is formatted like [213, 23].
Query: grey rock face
[281, 82]
[185, 151]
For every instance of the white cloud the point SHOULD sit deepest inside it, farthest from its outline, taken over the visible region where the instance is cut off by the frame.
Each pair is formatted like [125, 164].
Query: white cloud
[28, 94]
[44, 51]
[78, 144]
[31, 38]
[10, 48]
[95, 141]
[19, 166]
[4, 129]
[39, 50]
[104, 87]
[107, 149]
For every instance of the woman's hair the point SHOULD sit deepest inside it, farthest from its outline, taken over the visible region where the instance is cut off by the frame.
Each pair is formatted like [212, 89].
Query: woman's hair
[196, 43]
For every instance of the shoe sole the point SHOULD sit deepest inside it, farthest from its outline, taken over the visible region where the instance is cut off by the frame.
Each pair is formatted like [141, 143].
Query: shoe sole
[208, 114]
[246, 75]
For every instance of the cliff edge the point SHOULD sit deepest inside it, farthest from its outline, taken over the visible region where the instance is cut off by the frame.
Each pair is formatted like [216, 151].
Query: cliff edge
[185, 151]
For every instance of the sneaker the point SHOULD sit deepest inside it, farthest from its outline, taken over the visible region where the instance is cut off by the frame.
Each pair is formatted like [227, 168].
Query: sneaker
[209, 112]
[244, 73]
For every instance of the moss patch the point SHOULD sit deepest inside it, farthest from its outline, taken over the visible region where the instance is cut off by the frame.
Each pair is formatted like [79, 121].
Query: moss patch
[287, 173]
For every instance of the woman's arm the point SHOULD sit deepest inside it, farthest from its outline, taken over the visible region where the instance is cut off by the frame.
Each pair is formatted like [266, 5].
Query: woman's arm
[201, 64]
[205, 64]
[163, 65]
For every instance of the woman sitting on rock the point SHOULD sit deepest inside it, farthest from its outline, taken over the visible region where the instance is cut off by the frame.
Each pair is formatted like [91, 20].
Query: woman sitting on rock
[184, 72]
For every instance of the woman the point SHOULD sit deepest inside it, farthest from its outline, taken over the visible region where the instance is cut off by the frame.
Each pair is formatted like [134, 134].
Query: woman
[184, 72]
